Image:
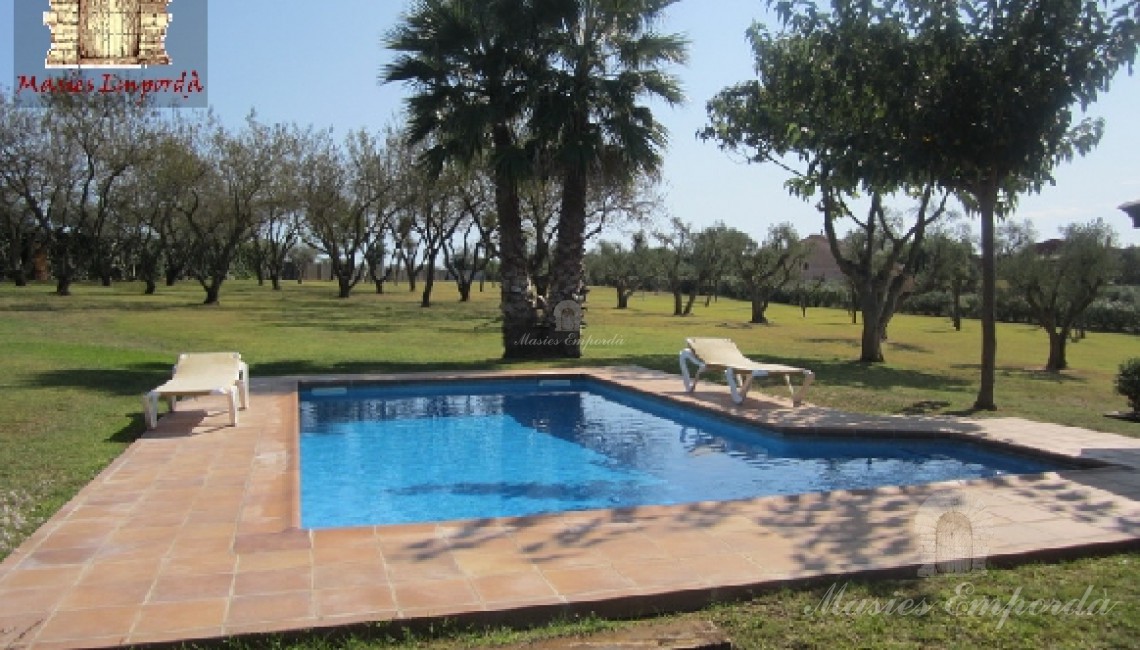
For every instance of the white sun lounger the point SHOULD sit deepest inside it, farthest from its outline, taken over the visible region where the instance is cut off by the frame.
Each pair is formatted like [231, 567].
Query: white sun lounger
[197, 374]
[739, 370]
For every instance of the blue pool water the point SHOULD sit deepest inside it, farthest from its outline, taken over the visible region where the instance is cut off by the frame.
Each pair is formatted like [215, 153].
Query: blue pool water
[448, 450]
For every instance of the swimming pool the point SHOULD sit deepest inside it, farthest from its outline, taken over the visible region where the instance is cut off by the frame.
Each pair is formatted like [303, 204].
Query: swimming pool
[443, 450]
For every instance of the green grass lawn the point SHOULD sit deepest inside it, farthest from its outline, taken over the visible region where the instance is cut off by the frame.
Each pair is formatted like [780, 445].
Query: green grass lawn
[74, 370]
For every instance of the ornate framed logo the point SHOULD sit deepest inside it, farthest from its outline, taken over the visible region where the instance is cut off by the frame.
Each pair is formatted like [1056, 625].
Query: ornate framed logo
[107, 33]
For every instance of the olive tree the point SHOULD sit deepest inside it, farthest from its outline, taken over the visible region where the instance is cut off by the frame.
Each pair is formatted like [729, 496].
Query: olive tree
[769, 266]
[836, 94]
[624, 269]
[1060, 282]
[240, 176]
[345, 194]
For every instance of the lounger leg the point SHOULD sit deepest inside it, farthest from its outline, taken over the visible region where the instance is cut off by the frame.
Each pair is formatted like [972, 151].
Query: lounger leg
[150, 410]
[243, 385]
[730, 379]
[746, 384]
[690, 383]
[233, 396]
[740, 384]
[798, 395]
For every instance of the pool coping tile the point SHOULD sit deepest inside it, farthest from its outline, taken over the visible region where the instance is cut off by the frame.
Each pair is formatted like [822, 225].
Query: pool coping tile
[202, 521]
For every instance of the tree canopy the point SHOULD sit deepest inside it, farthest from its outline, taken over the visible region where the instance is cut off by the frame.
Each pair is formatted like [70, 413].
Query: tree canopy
[975, 97]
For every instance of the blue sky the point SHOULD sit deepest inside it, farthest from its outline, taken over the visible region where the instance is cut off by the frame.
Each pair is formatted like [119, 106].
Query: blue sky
[318, 63]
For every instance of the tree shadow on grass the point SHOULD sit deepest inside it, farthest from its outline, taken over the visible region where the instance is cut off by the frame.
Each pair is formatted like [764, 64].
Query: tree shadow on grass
[366, 367]
[135, 379]
[830, 372]
[1033, 374]
[849, 342]
[117, 383]
[131, 432]
[924, 407]
[907, 347]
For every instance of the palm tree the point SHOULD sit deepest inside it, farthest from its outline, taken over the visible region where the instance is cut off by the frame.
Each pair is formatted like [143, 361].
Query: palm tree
[606, 59]
[474, 66]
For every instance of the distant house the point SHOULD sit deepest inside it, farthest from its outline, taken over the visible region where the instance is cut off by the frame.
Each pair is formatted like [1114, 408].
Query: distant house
[1049, 247]
[820, 264]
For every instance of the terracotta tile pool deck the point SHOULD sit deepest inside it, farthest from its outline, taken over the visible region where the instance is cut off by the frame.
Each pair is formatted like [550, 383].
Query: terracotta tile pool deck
[192, 533]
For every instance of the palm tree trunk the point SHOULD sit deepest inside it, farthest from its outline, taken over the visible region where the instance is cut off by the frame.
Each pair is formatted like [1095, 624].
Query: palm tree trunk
[518, 313]
[566, 280]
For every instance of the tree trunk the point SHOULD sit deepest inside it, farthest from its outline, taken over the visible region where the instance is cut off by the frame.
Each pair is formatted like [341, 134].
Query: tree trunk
[623, 297]
[63, 280]
[956, 313]
[464, 287]
[518, 313]
[151, 287]
[16, 261]
[569, 250]
[689, 304]
[344, 286]
[678, 303]
[212, 290]
[540, 267]
[759, 306]
[429, 282]
[410, 269]
[873, 328]
[275, 278]
[1057, 341]
[987, 203]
